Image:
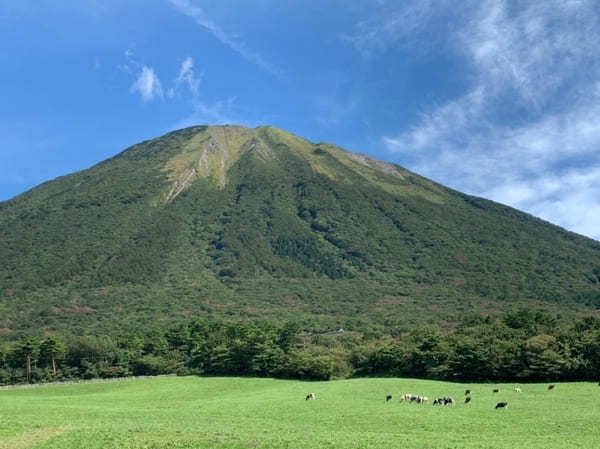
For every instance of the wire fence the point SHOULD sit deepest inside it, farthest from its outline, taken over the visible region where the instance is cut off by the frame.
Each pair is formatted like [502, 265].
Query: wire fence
[81, 381]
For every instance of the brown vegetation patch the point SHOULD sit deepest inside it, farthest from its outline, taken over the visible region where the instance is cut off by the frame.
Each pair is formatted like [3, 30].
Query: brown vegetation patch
[187, 312]
[460, 257]
[387, 303]
[10, 292]
[395, 300]
[103, 291]
[74, 309]
[587, 313]
[5, 331]
[211, 305]
[293, 303]
[30, 438]
[459, 281]
[290, 299]
[84, 309]
[433, 307]
[257, 310]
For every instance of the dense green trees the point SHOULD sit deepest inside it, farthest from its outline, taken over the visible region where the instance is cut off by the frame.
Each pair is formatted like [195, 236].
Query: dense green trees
[522, 347]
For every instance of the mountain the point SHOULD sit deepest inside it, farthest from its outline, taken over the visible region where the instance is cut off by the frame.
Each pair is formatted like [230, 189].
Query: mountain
[227, 221]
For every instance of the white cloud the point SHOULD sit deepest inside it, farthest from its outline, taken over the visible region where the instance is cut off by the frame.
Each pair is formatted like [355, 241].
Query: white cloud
[147, 84]
[527, 132]
[233, 42]
[187, 76]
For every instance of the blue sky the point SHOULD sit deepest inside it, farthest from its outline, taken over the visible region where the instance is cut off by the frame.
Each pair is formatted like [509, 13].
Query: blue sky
[495, 98]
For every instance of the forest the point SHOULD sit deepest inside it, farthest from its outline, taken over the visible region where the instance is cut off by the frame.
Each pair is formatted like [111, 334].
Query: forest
[523, 345]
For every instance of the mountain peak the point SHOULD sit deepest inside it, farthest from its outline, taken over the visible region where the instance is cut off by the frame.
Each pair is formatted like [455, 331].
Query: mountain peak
[210, 151]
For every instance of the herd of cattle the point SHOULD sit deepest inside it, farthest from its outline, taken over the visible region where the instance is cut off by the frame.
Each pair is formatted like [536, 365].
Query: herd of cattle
[446, 400]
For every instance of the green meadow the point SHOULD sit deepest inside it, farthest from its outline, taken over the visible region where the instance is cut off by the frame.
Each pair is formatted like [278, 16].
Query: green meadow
[195, 412]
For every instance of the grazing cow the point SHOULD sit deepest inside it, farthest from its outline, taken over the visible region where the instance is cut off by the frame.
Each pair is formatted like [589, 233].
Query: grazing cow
[496, 390]
[467, 392]
[406, 397]
[448, 400]
[501, 405]
[438, 401]
[310, 396]
[467, 399]
[422, 399]
[388, 398]
[550, 387]
[517, 390]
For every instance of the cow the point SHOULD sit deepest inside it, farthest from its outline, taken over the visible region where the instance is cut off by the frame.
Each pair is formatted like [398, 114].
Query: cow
[496, 390]
[550, 387]
[448, 400]
[467, 399]
[438, 401]
[517, 390]
[467, 392]
[501, 405]
[388, 398]
[406, 397]
[310, 396]
[422, 399]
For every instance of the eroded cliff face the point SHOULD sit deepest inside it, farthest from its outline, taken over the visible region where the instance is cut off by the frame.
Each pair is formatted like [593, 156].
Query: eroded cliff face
[212, 151]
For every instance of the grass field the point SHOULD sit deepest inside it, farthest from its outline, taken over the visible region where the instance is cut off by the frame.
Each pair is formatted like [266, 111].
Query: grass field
[192, 412]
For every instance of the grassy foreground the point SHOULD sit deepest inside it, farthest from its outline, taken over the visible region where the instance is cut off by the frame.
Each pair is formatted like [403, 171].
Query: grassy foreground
[191, 412]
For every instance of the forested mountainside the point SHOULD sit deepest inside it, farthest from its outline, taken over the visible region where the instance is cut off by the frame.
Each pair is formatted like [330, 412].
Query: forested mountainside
[238, 223]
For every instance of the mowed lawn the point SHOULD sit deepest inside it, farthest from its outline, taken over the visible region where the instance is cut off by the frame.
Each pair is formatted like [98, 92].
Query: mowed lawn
[194, 412]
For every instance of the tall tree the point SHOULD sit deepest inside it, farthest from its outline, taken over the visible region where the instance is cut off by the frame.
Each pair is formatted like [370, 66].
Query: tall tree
[27, 351]
[51, 350]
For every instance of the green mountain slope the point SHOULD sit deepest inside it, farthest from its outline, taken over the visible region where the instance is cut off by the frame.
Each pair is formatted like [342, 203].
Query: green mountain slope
[258, 223]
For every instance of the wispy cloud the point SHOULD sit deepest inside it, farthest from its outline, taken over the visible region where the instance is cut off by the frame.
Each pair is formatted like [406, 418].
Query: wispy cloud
[147, 84]
[527, 131]
[220, 112]
[130, 64]
[187, 77]
[233, 42]
[389, 23]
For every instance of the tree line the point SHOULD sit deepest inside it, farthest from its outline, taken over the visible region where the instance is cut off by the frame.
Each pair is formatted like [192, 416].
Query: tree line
[523, 345]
